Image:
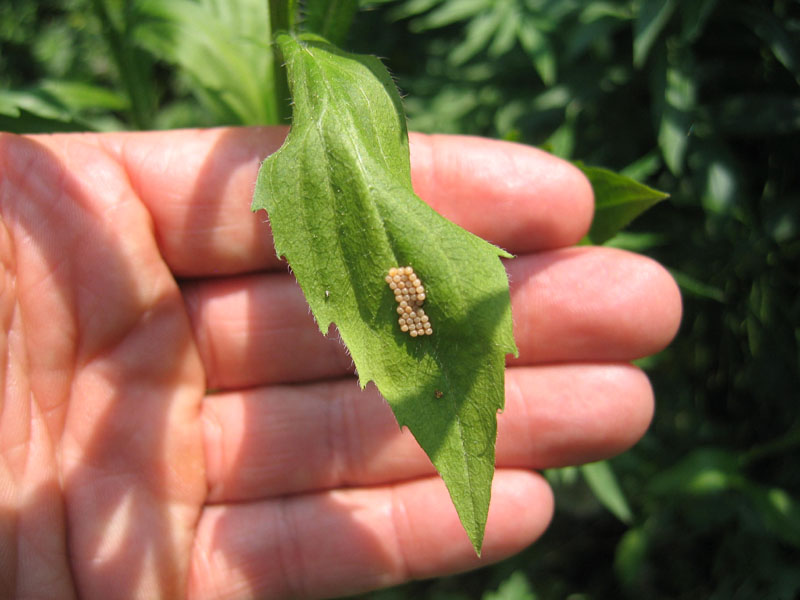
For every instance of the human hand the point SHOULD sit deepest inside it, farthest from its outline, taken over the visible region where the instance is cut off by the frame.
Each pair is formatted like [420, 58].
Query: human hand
[135, 278]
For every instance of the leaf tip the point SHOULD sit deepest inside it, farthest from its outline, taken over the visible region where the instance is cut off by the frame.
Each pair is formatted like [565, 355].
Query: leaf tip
[476, 538]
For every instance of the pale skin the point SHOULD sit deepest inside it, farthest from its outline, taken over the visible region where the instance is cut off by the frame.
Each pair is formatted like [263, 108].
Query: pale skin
[135, 278]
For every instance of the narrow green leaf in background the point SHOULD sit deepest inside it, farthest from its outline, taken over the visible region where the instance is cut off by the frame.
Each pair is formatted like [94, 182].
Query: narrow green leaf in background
[653, 16]
[478, 33]
[538, 47]
[775, 34]
[60, 106]
[447, 13]
[695, 16]
[674, 93]
[698, 289]
[618, 200]
[605, 487]
[516, 587]
[135, 67]
[630, 556]
[329, 18]
[343, 212]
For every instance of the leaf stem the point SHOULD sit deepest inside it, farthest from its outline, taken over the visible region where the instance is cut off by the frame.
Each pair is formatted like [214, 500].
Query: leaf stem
[283, 16]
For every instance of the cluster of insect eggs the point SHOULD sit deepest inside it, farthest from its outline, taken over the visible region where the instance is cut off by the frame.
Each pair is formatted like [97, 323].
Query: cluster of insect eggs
[409, 294]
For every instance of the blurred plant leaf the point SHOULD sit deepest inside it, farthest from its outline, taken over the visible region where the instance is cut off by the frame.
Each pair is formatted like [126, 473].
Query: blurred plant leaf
[342, 210]
[636, 242]
[329, 18]
[630, 556]
[495, 27]
[757, 114]
[134, 67]
[642, 168]
[448, 13]
[478, 33]
[79, 96]
[781, 40]
[716, 470]
[506, 33]
[674, 91]
[34, 102]
[564, 476]
[538, 47]
[229, 61]
[695, 16]
[605, 487]
[653, 15]
[703, 471]
[598, 21]
[697, 288]
[60, 106]
[778, 510]
[515, 587]
[618, 200]
[412, 8]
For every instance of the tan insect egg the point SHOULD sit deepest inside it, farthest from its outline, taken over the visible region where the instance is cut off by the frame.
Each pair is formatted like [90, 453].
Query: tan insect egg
[409, 293]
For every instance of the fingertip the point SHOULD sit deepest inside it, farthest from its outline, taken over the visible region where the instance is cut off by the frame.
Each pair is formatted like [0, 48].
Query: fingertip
[516, 196]
[521, 508]
[569, 414]
[661, 317]
[673, 300]
[591, 303]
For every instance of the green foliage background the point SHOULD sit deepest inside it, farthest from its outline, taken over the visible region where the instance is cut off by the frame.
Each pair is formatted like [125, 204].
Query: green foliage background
[699, 98]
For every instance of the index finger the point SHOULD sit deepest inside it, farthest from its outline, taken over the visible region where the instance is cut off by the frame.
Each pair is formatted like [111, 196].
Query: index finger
[198, 184]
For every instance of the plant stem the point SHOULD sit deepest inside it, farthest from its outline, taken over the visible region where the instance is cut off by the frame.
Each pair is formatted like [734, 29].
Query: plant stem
[133, 69]
[282, 17]
[781, 445]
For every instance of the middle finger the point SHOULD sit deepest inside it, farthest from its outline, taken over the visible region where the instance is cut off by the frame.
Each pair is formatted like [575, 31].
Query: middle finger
[577, 304]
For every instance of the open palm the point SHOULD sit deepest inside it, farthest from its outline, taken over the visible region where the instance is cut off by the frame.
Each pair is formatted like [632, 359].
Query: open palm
[173, 424]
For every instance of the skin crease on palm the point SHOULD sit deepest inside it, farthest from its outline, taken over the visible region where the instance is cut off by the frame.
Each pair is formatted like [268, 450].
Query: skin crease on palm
[135, 278]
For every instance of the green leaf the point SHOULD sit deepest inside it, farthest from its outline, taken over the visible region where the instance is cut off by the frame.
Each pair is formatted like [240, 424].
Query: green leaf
[330, 18]
[59, 106]
[703, 471]
[450, 12]
[230, 67]
[653, 16]
[133, 65]
[343, 212]
[618, 200]
[478, 33]
[630, 556]
[674, 91]
[695, 16]
[506, 35]
[643, 167]
[778, 510]
[538, 47]
[605, 487]
[597, 22]
[636, 242]
[699, 289]
[516, 587]
[412, 8]
[78, 96]
[780, 38]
